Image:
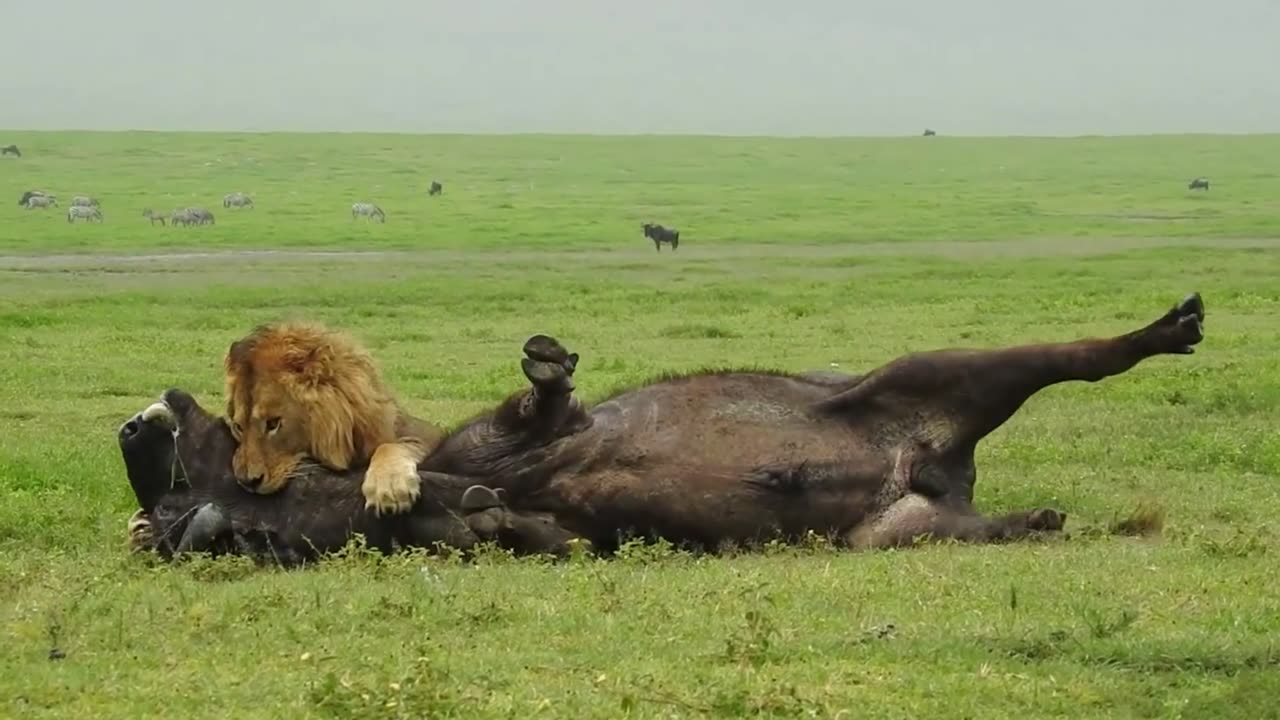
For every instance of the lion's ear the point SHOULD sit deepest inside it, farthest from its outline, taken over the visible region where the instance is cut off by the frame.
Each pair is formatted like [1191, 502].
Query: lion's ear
[332, 439]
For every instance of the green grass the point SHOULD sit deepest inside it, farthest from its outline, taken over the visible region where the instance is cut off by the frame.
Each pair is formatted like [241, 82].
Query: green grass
[795, 254]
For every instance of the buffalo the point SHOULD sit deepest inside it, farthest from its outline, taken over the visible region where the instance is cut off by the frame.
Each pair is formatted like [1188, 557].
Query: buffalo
[660, 235]
[436, 188]
[10, 150]
[701, 460]
[929, 133]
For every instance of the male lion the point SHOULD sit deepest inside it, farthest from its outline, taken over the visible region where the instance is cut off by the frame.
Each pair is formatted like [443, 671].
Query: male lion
[299, 392]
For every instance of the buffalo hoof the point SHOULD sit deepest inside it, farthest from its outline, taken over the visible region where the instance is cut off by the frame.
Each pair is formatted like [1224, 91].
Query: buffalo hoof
[548, 365]
[1183, 326]
[484, 511]
[1046, 520]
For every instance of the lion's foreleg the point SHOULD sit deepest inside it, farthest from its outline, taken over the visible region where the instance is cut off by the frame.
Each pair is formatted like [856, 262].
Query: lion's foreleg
[392, 484]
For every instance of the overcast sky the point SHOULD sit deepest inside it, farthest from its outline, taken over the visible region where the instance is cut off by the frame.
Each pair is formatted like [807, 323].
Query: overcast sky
[790, 67]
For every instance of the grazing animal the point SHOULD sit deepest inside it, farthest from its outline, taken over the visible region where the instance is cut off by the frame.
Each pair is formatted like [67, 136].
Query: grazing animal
[929, 133]
[436, 188]
[299, 391]
[369, 210]
[32, 193]
[660, 235]
[83, 201]
[1199, 184]
[10, 150]
[201, 216]
[153, 216]
[83, 212]
[41, 201]
[237, 199]
[704, 459]
[183, 217]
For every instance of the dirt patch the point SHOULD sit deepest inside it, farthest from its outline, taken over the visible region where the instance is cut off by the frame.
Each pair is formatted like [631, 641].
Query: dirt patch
[1033, 247]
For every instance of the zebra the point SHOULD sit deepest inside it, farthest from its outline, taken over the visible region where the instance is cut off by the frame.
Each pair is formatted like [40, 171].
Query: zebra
[84, 201]
[237, 199]
[84, 212]
[41, 201]
[436, 188]
[10, 150]
[153, 216]
[1199, 183]
[369, 210]
[201, 215]
[183, 216]
[660, 235]
[32, 193]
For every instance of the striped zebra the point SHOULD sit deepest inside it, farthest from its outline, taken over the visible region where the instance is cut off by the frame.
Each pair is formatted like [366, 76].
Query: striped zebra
[41, 201]
[84, 201]
[32, 193]
[369, 210]
[83, 212]
[202, 216]
[153, 216]
[237, 199]
[184, 217]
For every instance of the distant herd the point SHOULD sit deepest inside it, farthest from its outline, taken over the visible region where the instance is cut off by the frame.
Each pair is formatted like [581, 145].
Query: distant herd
[88, 208]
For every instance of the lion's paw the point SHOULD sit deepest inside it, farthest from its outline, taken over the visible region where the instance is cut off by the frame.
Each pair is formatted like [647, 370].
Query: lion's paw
[391, 485]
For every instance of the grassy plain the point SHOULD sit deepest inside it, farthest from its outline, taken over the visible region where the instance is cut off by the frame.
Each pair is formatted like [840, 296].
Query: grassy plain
[795, 254]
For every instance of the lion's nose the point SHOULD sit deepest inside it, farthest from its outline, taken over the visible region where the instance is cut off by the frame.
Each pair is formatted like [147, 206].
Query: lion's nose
[252, 483]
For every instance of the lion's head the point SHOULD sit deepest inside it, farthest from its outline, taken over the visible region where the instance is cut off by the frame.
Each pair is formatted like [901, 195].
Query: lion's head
[299, 391]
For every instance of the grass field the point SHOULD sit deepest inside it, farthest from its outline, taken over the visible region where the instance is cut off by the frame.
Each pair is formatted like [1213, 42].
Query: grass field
[795, 254]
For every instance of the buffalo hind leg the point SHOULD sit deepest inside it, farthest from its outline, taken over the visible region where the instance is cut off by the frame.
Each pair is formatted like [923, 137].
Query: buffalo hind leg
[953, 398]
[485, 511]
[548, 409]
[916, 516]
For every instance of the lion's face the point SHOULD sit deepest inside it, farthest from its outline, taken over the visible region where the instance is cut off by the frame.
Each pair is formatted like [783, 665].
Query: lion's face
[299, 393]
[273, 439]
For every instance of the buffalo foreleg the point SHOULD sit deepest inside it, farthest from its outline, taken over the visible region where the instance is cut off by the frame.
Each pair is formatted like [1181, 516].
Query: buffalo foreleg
[951, 399]
[546, 410]
[917, 517]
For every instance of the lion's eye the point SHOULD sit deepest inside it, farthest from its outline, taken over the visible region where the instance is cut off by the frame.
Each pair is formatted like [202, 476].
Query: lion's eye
[273, 425]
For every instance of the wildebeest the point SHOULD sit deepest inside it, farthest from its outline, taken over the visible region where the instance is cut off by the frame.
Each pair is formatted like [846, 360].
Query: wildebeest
[1199, 184]
[83, 212]
[929, 133]
[200, 215]
[84, 201]
[660, 235]
[153, 216]
[436, 188]
[237, 199]
[369, 210]
[701, 460]
[10, 150]
[41, 201]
